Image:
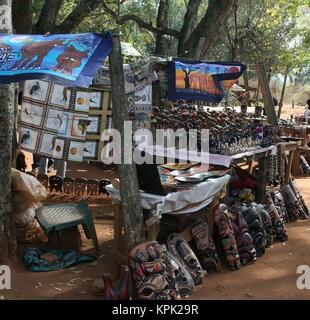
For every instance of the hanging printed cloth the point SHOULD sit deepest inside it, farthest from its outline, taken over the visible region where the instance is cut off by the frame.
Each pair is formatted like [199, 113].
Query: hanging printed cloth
[195, 80]
[68, 59]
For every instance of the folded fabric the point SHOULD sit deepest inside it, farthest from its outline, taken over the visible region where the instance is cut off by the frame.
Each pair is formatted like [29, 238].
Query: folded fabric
[66, 258]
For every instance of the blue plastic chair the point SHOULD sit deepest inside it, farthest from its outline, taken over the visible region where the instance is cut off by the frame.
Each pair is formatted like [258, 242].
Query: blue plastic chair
[62, 216]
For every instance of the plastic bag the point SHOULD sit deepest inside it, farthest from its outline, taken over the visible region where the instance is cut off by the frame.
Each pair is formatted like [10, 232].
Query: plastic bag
[25, 219]
[26, 190]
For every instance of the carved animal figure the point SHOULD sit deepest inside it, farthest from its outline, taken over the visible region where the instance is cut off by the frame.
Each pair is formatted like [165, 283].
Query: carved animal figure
[71, 58]
[37, 49]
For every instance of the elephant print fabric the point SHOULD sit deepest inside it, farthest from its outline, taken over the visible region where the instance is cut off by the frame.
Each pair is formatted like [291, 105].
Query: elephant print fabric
[225, 231]
[69, 59]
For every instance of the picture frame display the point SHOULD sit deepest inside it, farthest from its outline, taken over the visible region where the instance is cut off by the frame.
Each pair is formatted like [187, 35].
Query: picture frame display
[60, 96]
[54, 119]
[32, 114]
[36, 90]
[95, 100]
[91, 149]
[94, 124]
[28, 138]
[82, 101]
[47, 143]
[76, 151]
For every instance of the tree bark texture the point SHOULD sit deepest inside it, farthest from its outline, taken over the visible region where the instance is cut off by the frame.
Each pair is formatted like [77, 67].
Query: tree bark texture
[6, 134]
[267, 96]
[129, 186]
[162, 43]
[80, 12]
[21, 14]
[47, 20]
[283, 92]
[190, 19]
[209, 26]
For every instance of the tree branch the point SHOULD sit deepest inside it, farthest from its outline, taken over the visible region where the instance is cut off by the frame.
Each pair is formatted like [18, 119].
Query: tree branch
[139, 21]
[80, 12]
[21, 16]
[47, 20]
[148, 26]
[190, 19]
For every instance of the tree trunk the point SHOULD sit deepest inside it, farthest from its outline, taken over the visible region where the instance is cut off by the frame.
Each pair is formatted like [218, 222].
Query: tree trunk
[283, 92]
[81, 11]
[209, 26]
[6, 133]
[47, 20]
[268, 101]
[22, 19]
[162, 43]
[190, 19]
[245, 73]
[129, 186]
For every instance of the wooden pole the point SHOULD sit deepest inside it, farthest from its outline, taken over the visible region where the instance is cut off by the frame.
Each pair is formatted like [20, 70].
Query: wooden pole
[129, 186]
[282, 94]
[262, 181]
[267, 96]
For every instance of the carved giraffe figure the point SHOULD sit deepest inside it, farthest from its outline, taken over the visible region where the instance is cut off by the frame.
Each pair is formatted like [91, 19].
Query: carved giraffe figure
[37, 49]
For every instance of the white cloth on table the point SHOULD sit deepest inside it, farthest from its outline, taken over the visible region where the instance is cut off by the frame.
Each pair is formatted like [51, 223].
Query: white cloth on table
[212, 159]
[182, 201]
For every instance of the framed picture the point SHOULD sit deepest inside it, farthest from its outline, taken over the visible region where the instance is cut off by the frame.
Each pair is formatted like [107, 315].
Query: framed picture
[79, 125]
[47, 143]
[82, 101]
[54, 119]
[28, 138]
[76, 151]
[94, 124]
[91, 149]
[32, 114]
[95, 100]
[36, 90]
[59, 146]
[63, 130]
[60, 96]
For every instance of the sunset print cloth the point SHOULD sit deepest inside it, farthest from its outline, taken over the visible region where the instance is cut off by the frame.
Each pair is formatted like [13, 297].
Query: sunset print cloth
[194, 80]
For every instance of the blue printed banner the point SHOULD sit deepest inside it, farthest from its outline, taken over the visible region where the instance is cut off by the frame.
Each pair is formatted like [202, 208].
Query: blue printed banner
[195, 80]
[68, 59]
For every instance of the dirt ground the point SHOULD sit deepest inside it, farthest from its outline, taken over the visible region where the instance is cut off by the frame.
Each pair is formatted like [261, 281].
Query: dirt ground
[273, 276]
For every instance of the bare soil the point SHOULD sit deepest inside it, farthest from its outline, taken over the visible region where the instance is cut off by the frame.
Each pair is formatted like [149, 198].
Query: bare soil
[272, 277]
